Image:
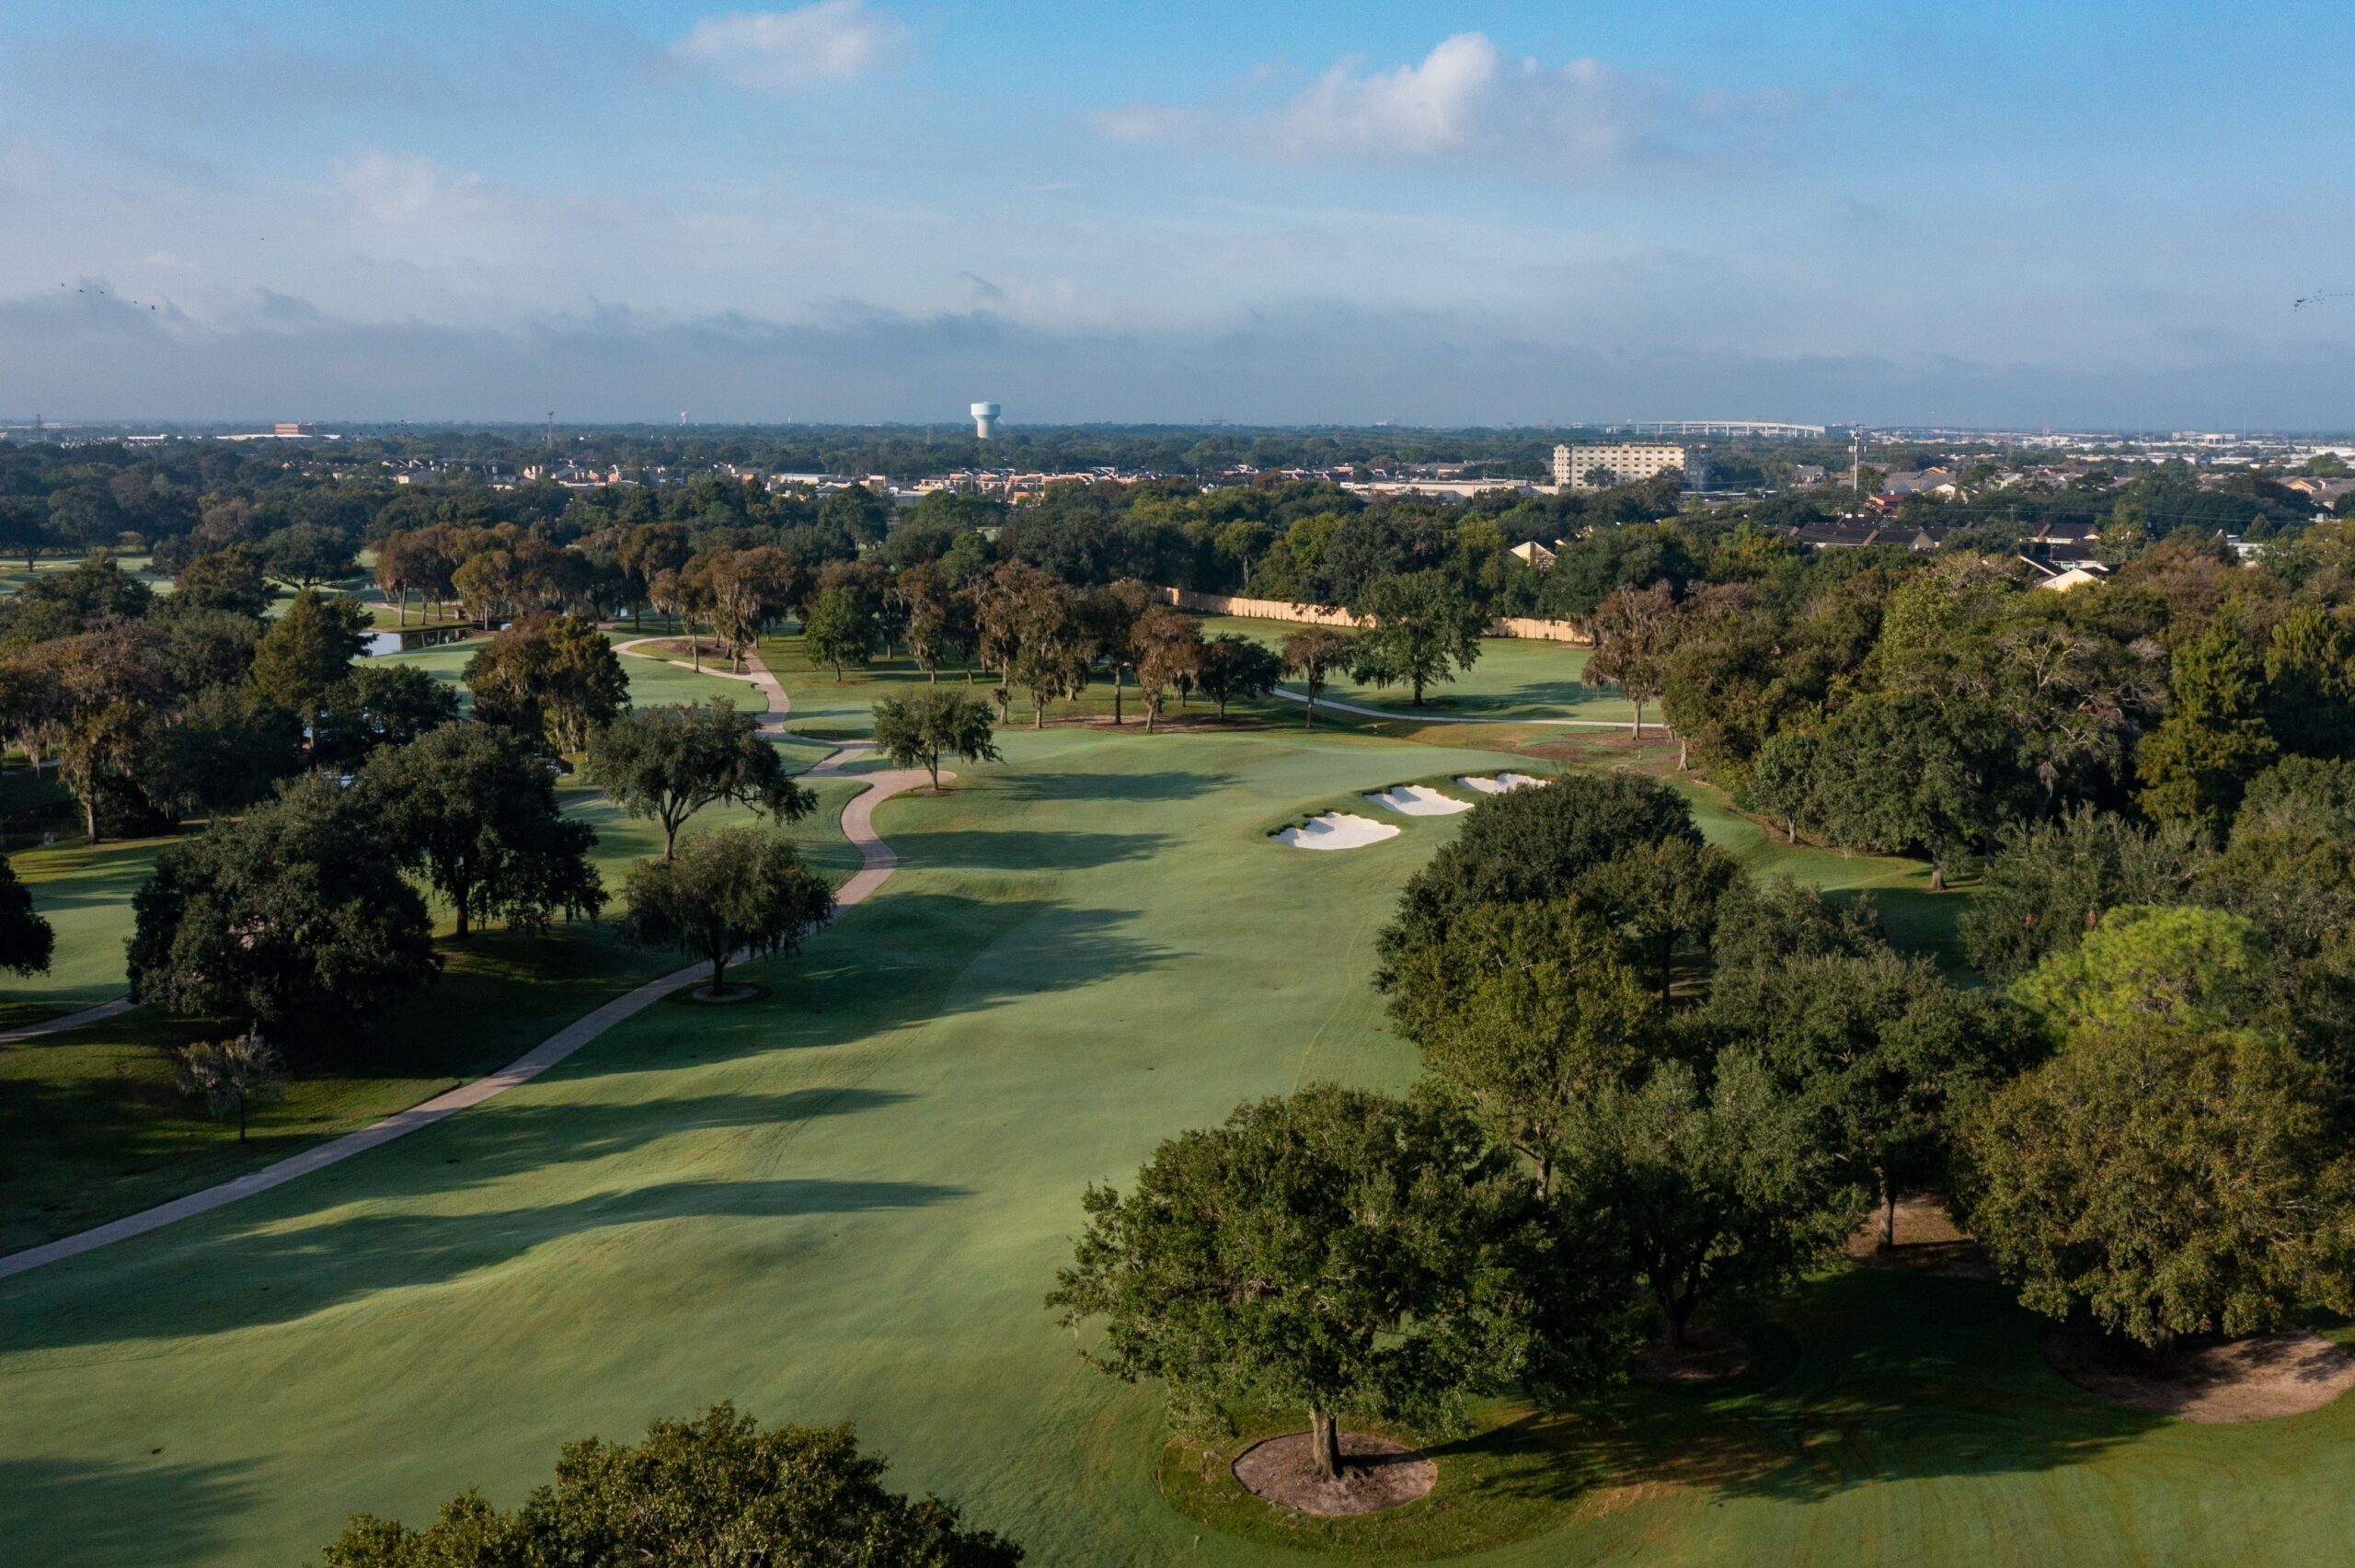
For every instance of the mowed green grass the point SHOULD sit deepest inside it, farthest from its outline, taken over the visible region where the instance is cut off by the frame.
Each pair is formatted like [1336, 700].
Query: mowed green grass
[91, 1123]
[92, 1126]
[1515, 678]
[845, 1201]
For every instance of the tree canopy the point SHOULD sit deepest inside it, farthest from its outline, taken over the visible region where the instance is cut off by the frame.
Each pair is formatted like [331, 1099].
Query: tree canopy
[1535, 844]
[2168, 1182]
[670, 762]
[476, 811]
[1334, 1251]
[720, 1488]
[917, 731]
[725, 891]
[294, 914]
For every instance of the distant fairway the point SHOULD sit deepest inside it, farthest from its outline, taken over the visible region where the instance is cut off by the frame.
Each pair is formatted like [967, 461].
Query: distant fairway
[847, 1200]
[1515, 678]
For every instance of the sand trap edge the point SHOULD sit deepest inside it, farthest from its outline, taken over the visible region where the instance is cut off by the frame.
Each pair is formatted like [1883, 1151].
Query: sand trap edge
[1336, 831]
[1417, 800]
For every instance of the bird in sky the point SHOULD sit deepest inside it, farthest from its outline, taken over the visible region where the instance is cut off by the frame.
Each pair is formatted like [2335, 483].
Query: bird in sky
[2315, 300]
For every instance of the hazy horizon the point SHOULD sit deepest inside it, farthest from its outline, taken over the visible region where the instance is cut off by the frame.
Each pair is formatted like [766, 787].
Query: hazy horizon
[2066, 215]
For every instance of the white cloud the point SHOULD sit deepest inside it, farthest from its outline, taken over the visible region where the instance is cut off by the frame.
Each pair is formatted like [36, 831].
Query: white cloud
[789, 52]
[1466, 99]
[406, 189]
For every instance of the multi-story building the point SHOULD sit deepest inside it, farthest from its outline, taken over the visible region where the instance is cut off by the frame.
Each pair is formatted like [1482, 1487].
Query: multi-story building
[1576, 467]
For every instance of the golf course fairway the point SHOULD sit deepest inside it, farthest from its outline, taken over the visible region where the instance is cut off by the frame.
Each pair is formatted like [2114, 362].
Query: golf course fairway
[846, 1200]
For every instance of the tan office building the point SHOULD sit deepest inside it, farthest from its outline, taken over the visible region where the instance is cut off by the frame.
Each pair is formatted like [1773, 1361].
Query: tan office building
[1627, 463]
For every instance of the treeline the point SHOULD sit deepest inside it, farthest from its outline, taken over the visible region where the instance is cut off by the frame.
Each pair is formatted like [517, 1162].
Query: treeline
[2131, 1128]
[154, 707]
[1933, 707]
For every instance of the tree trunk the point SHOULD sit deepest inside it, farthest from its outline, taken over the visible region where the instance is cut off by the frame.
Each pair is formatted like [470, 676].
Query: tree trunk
[1309, 720]
[241, 1118]
[1937, 876]
[1325, 1437]
[1887, 1211]
[1637, 730]
[1790, 829]
[1684, 750]
[460, 934]
[90, 815]
[718, 972]
[1116, 692]
[1680, 1317]
[670, 839]
[932, 766]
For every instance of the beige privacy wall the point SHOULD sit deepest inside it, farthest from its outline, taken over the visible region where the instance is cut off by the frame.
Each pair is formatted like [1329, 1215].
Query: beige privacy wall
[1277, 610]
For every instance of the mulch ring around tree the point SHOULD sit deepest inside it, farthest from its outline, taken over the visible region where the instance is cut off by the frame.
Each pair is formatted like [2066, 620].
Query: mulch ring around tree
[701, 995]
[1376, 1473]
[2205, 1378]
[1707, 1355]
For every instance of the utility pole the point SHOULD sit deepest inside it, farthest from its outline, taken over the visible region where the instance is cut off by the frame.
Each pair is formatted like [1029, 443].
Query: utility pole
[1856, 465]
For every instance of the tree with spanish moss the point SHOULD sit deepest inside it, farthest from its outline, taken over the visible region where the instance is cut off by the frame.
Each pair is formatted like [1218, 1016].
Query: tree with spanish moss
[1313, 653]
[668, 763]
[917, 731]
[1419, 630]
[728, 890]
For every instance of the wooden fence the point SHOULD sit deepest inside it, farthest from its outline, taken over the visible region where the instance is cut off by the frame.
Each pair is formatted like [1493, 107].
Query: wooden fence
[1309, 615]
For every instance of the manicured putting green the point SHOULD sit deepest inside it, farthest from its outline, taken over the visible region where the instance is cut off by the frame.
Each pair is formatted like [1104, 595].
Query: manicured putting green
[846, 1200]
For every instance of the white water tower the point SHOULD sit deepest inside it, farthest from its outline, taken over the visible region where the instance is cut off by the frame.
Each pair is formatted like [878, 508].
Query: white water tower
[984, 420]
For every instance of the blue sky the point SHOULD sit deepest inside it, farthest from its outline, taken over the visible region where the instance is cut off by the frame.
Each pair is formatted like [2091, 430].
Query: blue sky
[2064, 214]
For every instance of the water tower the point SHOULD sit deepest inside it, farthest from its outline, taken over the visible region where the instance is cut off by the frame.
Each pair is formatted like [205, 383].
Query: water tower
[984, 420]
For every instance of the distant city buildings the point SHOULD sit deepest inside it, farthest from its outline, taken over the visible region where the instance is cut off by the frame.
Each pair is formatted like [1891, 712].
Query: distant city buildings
[1628, 463]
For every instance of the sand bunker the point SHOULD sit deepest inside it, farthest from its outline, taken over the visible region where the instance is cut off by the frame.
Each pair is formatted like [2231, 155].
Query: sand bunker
[1376, 1473]
[1336, 830]
[1419, 800]
[1503, 783]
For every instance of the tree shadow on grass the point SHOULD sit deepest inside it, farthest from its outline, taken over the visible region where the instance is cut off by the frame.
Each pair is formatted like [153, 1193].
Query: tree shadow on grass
[1897, 1378]
[155, 1510]
[100, 876]
[942, 954]
[291, 1271]
[1163, 785]
[1010, 849]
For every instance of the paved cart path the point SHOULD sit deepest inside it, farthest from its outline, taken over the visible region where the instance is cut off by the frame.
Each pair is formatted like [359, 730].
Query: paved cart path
[875, 863]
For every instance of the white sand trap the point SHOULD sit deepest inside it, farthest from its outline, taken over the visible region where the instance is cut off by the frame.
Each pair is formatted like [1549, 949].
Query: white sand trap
[1503, 783]
[1337, 830]
[1416, 800]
